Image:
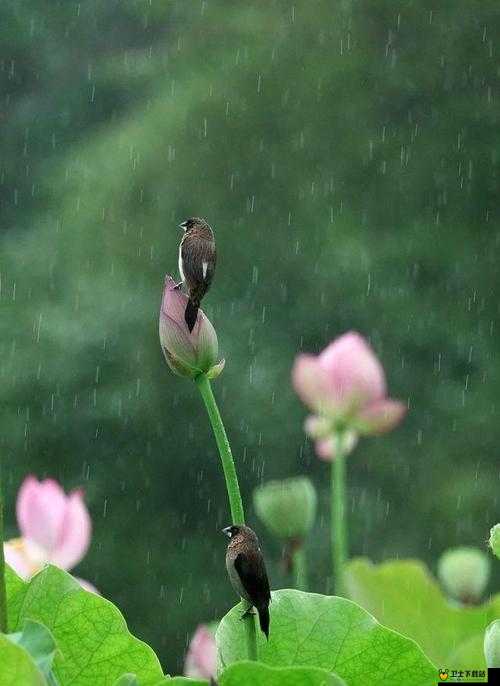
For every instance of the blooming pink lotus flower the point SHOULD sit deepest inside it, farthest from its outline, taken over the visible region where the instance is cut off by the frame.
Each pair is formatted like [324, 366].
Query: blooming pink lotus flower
[187, 354]
[345, 387]
[201, 658]
[55, 528]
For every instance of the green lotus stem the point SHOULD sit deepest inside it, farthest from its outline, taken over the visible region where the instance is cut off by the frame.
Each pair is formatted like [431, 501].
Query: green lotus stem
[232, 486]
[3, 594]
[300, 568]
[233, 489]
[338, 514]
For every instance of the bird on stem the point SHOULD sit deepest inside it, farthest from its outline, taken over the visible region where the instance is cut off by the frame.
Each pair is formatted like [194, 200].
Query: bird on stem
[247, 571]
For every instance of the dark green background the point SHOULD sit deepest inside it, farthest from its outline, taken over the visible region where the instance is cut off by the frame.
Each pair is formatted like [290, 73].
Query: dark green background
[347, 155]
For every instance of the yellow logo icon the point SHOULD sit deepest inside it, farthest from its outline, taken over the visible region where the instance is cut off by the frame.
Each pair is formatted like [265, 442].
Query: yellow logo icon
[443, 674]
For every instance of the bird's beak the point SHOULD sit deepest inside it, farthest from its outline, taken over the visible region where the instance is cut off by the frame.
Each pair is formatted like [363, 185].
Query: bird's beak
[182, 225]
[227, 531]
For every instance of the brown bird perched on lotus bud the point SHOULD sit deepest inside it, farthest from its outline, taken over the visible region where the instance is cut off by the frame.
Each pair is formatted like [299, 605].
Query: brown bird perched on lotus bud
[197, 258]
[247, 571]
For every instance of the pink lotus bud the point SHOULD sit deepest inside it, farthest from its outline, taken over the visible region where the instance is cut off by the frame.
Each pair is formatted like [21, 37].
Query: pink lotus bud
[201, 658]
[56, 527]
[345, 386]
[187, 354]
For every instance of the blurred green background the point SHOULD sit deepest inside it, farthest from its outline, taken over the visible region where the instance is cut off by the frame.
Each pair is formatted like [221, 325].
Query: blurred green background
[347, 155]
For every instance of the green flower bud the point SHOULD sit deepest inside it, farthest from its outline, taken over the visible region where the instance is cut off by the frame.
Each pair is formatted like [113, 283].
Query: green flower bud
[495, 540]
[287, 508]
[464, 573]
[492, 644]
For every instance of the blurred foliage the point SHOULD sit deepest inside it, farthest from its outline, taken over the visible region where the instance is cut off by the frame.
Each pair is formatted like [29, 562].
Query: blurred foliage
[347, 155]
[404, 597]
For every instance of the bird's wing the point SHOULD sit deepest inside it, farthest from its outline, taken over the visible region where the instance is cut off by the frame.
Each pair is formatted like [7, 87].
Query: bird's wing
[198, 257]
[253, 576]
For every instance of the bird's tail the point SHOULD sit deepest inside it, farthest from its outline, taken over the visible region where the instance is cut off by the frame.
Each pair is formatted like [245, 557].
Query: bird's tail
[264, 619]
[191, 313]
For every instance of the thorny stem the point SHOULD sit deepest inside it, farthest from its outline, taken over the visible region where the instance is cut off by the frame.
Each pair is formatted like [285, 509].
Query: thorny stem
[3, 595]
[232, 486]
[338, 514]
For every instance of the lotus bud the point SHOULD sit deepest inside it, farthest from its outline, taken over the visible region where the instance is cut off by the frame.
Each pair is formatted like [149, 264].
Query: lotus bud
[287, 508]
[187, 354]
[201, 658]
[492, 645]
[464, 573]
[495, 540]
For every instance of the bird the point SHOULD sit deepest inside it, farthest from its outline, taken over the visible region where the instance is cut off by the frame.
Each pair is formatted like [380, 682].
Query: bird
[197, 259]
[247, 571]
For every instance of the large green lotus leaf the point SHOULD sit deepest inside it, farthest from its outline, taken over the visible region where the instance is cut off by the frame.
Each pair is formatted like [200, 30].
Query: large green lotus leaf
[257, 674]
[128, 680]
[94, 644]
[403, 595]
[331, 633]
[17, 667]
[15, 588]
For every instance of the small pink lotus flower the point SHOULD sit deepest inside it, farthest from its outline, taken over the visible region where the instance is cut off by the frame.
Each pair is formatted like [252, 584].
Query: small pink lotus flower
[187, 354]
[345, 387]
[55, 528]
[201, 658]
